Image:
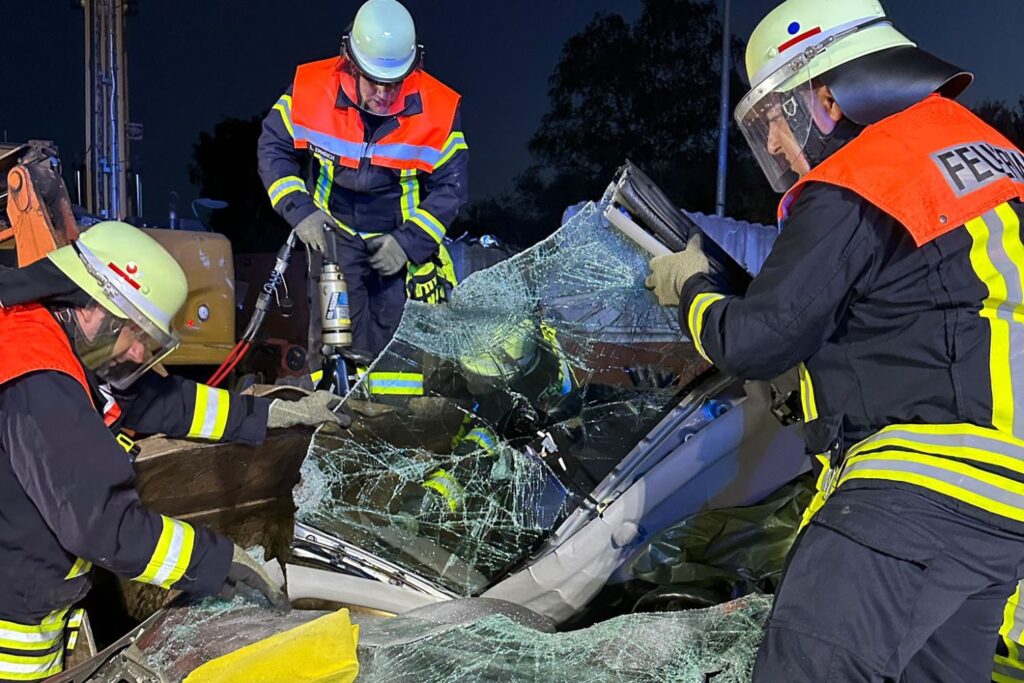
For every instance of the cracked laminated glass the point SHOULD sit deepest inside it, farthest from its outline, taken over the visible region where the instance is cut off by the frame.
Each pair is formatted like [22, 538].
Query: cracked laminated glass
[490, 418]
[718, 643]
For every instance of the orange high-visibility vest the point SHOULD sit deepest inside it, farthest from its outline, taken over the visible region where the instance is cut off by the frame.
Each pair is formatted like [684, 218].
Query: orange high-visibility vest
[40, 344]
[337, 133]
[932, 167]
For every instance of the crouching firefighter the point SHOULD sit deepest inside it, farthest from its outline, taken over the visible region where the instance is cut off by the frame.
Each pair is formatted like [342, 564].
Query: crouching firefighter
[520, 384]
[80, 330]
[896, 286]
[371, 145]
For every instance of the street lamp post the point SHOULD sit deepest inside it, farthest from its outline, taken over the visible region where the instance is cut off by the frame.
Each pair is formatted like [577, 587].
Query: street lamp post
[723, 112]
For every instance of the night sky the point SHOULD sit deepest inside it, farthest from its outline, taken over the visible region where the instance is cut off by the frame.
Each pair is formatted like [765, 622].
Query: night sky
[194, 62]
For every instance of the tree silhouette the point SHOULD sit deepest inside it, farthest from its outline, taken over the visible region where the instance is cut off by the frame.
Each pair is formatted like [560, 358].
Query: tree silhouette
[1010, 122]
[648, 91]
[224, 167]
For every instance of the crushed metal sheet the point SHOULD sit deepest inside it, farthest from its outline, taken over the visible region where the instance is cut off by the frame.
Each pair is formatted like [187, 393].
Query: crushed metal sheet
[489, 419]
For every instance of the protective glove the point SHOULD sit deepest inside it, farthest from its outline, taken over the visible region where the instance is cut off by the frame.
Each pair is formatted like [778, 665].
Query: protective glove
[311, 230]
[309, 411]
[388, 256]
[246, 570]
[669, 272]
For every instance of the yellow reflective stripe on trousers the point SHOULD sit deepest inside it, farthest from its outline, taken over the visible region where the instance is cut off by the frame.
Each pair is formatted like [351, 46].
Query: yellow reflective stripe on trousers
[283, 187]
[210, 416]
[284, 106]
[31, 667]
[1007, 670]
[822, 489]
[42, 636]
[447, 486]
[324, 183]
[807, 400]
[172, 555]
[79, 568]
[395, 383]
[695, 318]
[997, 256]
[1012, 629]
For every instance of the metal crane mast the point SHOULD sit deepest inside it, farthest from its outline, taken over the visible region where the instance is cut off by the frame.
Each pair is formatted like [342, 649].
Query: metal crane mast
[106, 103]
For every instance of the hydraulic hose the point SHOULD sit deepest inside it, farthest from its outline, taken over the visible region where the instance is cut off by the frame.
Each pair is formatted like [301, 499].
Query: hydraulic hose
[259, 315]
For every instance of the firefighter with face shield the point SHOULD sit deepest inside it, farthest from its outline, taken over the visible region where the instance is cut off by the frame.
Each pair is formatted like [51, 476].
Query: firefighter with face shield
[895, 287]
[370, 145]
[81, 329]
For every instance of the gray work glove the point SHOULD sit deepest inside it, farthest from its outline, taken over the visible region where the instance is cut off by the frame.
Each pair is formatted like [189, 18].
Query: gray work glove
[669, 272]
[311, 230]
[309, 411]
[247, 570]
[388, 256]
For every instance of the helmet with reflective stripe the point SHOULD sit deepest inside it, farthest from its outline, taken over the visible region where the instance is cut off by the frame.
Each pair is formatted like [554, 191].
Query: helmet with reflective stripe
[872, 70]
[382, 42]
[135, 280]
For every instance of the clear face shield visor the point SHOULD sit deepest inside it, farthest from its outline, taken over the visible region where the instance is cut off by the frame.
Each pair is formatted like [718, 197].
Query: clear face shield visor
[119, 350]
[376, 97]
[781, 113]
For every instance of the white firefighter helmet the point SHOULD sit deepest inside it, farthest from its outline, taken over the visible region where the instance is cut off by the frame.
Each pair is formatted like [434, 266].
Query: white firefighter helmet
[851, 46]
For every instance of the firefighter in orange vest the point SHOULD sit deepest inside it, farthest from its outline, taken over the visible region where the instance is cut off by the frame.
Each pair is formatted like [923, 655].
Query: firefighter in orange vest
[897, 288]
[371, 145]
[80, 329]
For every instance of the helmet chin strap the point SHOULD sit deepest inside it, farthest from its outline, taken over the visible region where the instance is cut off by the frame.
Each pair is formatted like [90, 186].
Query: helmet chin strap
[821, 146]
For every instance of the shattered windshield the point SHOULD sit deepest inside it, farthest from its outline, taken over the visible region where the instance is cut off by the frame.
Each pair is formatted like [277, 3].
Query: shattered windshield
[489, 419]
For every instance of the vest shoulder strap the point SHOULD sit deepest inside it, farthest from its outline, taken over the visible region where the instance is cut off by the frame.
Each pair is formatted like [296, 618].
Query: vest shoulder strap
[49, 348]
[932, 167]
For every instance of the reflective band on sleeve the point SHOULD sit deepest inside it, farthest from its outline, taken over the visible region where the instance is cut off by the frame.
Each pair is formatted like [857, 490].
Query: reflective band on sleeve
[395, 383]
[483, 437]
[30, 668]
[284, 187]
[997, 256]
[695, 318]
[807, 401]
[284, 106]
[430, 225]
[211, 413]
[456, 141]
[1012, 628]
[172, 555]
[447, 486]
[79, 568]
[1007, 670]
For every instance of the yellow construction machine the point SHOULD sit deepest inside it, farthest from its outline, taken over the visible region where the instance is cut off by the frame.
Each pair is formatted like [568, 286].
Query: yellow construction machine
[37, 217]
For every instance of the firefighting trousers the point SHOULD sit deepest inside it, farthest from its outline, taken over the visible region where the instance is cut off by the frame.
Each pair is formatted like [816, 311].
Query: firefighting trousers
[885, 584]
